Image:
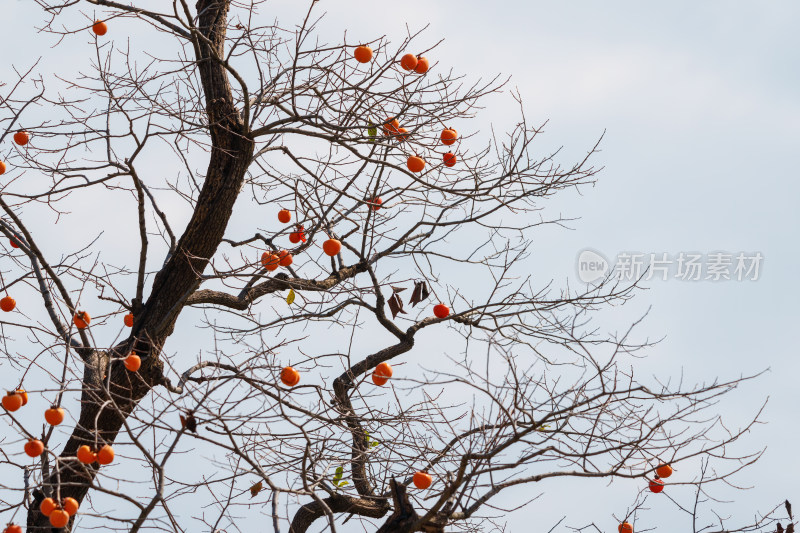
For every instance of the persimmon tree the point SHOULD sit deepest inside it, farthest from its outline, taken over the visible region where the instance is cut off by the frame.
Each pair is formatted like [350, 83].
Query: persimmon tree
[233, 117]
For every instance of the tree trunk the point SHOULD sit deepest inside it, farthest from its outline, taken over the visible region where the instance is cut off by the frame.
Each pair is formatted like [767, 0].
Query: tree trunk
[232, 150]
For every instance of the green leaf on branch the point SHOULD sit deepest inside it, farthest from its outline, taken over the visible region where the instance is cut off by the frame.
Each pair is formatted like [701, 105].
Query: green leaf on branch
[337, 477]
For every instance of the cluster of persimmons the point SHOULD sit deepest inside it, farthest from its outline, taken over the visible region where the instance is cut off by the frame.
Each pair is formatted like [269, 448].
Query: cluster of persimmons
[58, 511]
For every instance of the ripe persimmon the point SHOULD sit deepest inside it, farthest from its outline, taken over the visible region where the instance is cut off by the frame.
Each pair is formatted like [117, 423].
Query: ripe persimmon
[270, 261]
[47, 506]
[422, 480]
[12, 242]
[99, 28]
[70, 505]
[449, 136]
[54, 416]
[422, 65]
[664, 471]
[12, 401]
[8, 304]
[415, 163]
[384, 370]
[382, 373]
[34, 448]
[128, 320]
[284, 216]
[59, 518]
[133, 362]
[81, 320]
[297, 235]
[376, 203]
[22, 137]
[625, 528]
[290, 377]
[363, 54]
[13, 528]
[391, 126]
[24, 395]
[441, 311]
[408, 62]
[286, 258]
[331, 247]
[450, 159]
[105, 455]
[2, 168]
[402, 134]
[85, 455]
[656, 485]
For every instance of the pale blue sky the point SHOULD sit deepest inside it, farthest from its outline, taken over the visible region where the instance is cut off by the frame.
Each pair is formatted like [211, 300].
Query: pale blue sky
[700, 106]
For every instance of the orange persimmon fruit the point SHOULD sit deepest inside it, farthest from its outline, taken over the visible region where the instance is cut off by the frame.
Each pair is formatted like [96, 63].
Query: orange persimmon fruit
[70, 505]
[133, 362]
[22, 137]
[422, 65]
[415, 163]
[99, 28]
[105, 455]
[384, 370]
[54, 416]
[656, 485]
[422, 480]
[664, 471]
[47, 506]
[408, 62]
[34, 448]
[449, 136]
[270, 261]
[12, 401]
[331, 247]
[391, 126]
[290, 377]
[8, 304]
[284, 216]
[85, 455]
[285, 258]
[59, 518]
[363, 54]
[81, 320]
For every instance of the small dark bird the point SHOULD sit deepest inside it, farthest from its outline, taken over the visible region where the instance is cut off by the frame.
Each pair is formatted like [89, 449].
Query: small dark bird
[189, 422]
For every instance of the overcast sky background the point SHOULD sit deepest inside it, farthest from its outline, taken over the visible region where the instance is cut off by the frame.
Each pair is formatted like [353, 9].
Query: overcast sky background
[699, 104]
